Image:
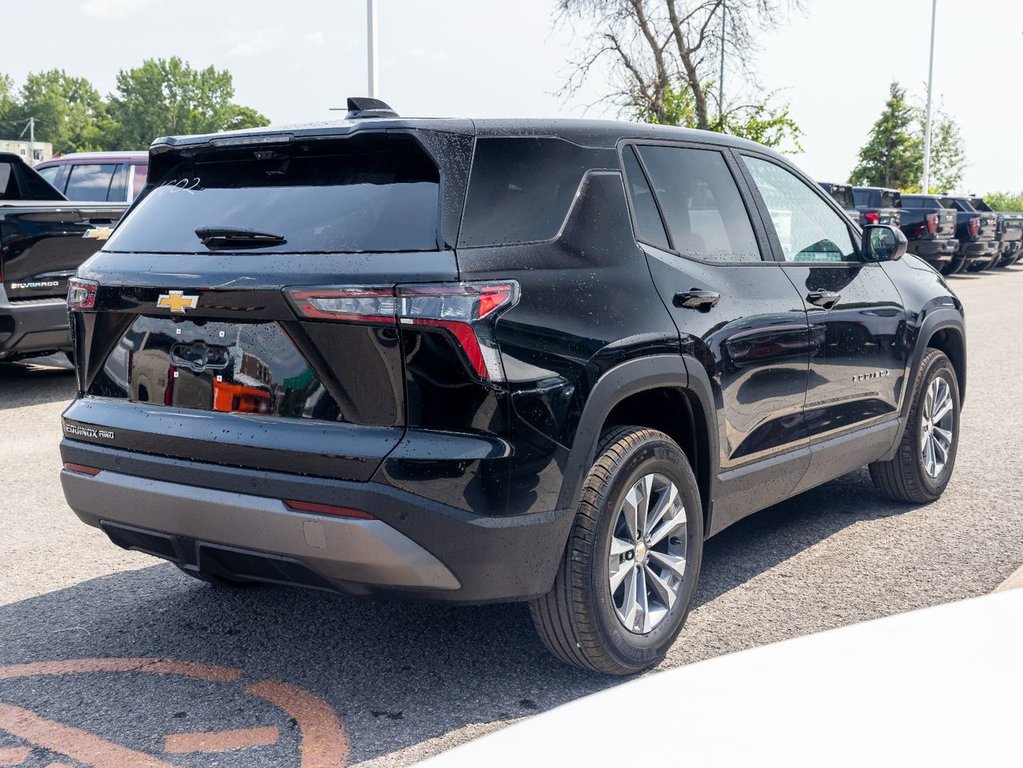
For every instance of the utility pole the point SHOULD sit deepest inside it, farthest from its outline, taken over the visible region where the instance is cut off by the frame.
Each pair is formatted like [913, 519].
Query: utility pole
[925, 183]
[721, 76]
[30, 126]
[372, 45]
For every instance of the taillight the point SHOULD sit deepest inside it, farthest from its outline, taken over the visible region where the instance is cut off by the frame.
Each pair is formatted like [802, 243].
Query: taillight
[932, 223]
[974, 227]
[871, 217]
[81, 294]
[466, 311]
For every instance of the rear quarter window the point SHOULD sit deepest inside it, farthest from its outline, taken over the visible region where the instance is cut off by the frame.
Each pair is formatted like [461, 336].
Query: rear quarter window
[521, 189]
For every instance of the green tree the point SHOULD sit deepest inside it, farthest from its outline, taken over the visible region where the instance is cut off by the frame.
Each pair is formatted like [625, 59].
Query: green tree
[69, 112]
[948, 153]
[167, 96]
[1005, 201]
[765, 123]
[7, 106]
[893, 155]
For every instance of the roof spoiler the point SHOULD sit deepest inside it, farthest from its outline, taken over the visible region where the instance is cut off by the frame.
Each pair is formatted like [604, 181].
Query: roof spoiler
[360, 107]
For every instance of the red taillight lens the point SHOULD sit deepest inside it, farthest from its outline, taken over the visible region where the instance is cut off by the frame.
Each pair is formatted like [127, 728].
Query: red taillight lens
[974, 226]
[81, 294]
[465, 310]
[871, 217]
[932, 223]
[328, 509]
[357, 305]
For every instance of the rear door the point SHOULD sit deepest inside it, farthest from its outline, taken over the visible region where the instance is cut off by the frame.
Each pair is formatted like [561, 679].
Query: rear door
[858, 344]
[737, 314]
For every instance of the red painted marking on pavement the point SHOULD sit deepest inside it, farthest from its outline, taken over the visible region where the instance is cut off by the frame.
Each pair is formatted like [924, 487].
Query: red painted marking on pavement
[220, 741]
[155, 666]
[324, 741]
[79, 745]
[14, 755]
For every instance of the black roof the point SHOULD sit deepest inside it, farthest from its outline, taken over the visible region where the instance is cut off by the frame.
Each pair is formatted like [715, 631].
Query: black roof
[588, 133]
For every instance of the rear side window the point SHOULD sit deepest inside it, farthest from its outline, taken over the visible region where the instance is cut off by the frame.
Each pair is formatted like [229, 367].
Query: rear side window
[701, 203]
[369, 193]
[90, 182]
[119, 186]
[520, 190]
[50, 174]
[649, 227]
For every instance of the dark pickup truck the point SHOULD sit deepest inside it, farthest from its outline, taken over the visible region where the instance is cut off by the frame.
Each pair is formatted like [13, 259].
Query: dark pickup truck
[877, 205]
[843, 195]
[1010, 232]
[977, 233]
[43, 240]
[930, 229]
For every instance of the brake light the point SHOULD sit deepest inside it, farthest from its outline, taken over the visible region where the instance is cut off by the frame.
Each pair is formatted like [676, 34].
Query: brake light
[81, 469]
[81, 294]
[871, 217]
[467, 311]
[974, 227]
[932, 223]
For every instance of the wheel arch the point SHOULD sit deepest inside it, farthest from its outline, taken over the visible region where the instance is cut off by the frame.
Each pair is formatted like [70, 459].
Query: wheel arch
[656, 392]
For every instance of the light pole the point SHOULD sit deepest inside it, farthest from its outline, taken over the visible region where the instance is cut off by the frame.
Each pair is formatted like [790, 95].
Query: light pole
[925, 183]
[721, 75]
[371, 46]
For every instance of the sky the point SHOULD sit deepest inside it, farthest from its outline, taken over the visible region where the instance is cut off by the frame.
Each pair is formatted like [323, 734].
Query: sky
[295, 60]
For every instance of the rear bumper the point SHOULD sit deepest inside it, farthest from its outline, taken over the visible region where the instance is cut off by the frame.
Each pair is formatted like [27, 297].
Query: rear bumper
[232, 522]
[983, 249]
[33, 326]
[934, 250]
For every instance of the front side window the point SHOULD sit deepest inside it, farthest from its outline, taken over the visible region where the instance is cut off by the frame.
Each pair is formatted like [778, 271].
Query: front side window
[808, 228]
[701, 204]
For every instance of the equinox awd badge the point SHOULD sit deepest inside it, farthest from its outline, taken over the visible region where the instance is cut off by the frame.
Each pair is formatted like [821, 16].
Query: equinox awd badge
[177, 301]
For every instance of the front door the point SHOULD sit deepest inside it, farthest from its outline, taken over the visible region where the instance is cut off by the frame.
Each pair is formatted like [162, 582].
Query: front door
[858, 346]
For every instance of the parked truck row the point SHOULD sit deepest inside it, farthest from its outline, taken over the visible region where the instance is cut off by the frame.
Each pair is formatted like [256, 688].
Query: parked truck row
[951, 232]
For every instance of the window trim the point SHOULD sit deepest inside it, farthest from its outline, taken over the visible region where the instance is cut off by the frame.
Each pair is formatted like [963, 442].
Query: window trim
[764, 246]
[855, 233]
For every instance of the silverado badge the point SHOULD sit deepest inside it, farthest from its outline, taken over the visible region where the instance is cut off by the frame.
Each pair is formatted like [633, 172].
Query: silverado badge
[177, 301]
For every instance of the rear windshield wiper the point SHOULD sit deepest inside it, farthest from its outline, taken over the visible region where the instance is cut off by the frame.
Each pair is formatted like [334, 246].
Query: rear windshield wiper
[232, 237]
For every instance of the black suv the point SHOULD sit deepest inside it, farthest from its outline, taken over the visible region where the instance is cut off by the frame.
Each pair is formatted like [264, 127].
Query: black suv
[490, 360]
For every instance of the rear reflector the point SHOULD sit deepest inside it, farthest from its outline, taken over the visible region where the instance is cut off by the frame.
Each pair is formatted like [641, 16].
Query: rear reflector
[327, 509]
[81, 469]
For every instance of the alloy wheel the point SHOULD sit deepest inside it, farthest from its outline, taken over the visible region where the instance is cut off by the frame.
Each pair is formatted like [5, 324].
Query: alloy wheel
[937, 425]
[647, 554]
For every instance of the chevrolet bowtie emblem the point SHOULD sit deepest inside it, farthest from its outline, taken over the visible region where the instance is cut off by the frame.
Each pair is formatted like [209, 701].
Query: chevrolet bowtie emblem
[176, 301]
[98, 233]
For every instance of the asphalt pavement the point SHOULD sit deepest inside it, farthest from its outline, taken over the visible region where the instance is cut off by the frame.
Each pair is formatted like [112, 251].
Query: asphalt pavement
[110, 658]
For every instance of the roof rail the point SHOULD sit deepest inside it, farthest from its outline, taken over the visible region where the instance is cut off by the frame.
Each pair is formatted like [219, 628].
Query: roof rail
[360, 107]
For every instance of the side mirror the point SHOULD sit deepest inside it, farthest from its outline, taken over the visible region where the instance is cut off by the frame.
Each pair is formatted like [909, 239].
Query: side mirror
[882, 242]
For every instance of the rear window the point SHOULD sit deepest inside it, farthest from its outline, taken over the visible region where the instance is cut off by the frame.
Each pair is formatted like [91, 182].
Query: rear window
[842, 195]
[372, 192]
[890, 199]
[521, 189]
[919, 201]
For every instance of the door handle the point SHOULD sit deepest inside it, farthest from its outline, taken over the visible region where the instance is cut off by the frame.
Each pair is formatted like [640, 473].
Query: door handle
[694, 298]
[825, 299]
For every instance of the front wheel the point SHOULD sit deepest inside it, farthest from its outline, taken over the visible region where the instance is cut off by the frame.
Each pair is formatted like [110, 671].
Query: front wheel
[632, 561]
[923, 464]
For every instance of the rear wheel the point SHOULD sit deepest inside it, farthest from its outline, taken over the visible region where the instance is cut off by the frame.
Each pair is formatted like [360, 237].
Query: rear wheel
[630, 568]
[926, 456]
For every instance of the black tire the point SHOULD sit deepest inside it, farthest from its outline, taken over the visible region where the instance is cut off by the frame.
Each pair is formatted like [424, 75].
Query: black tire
[209, 578]
[577, 619]
[904, 477]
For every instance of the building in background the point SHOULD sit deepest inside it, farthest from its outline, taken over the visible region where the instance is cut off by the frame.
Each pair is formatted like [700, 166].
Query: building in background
[40, 150]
